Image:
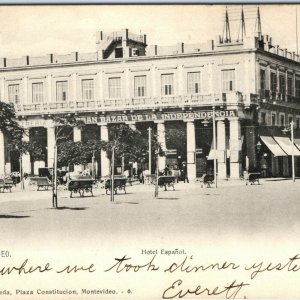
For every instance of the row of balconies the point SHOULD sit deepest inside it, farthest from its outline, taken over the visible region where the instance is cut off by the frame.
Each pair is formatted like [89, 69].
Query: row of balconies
[134, 103]
[271, 96]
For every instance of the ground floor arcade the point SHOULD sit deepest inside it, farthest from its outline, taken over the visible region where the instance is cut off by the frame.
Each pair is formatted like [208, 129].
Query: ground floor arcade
[187, 142]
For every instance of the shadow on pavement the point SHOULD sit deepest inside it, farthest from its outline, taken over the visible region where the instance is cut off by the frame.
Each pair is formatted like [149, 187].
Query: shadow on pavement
[12, 217]
[125, 202]
[167, 198]
[70, 208]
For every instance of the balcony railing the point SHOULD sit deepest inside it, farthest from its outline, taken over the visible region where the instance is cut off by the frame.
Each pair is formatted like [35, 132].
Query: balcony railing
[195, 100]
[270, 96]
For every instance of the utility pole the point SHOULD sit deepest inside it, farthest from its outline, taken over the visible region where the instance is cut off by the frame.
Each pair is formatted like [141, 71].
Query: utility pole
[215, 147]
[54, 175]
[149, 146]
[112, 198]
[293, 154]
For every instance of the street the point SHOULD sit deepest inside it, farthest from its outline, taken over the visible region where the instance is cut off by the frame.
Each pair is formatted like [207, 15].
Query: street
[268, 208]
[233, 223]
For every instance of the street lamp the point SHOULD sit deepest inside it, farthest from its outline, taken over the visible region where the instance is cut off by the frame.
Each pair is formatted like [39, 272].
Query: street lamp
[285, 131]
[93, 165]
[149, 142]
[205, 123]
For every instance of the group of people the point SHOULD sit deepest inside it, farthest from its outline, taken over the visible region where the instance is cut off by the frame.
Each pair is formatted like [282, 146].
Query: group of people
[180, 174]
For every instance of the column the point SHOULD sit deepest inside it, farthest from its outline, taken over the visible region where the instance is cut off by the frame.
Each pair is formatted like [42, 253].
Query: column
[221, 149]
[74, 87]
[49, 88]
[77, 138]
[26, 163]
[127, 86]
[105, 165]
[2, 154]
[50, 146]
[191, 149]
[161, 139]
[99, 87]
[154, 90]
[76, 134]
[180, 81]
[235, 142]
[25, 90]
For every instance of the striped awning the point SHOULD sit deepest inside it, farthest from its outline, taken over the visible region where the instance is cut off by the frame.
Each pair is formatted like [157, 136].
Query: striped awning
[297, 143]
[286, 144]
[272, 146]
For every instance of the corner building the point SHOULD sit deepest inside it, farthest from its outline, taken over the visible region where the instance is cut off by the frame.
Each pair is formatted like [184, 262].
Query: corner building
[251, 87]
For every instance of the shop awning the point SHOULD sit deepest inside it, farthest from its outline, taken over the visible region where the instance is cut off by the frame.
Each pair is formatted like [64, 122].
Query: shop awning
[272, 146]
[297, 142]
[286, 144]
[211, 153]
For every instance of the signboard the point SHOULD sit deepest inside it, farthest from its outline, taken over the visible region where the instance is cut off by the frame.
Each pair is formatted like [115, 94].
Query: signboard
[159, 116]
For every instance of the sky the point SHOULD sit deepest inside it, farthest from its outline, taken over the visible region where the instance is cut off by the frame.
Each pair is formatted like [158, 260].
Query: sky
[42, 29]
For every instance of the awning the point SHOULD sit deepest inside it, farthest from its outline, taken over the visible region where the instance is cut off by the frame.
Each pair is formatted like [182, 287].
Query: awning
[273, 146]
[211, 154]
[286, 144]
[297, 142]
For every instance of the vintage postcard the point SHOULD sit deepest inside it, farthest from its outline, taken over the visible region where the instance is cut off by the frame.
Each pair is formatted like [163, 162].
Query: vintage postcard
[149, 151]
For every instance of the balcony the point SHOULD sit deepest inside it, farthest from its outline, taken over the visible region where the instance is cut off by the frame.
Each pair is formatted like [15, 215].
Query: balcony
[196, 100]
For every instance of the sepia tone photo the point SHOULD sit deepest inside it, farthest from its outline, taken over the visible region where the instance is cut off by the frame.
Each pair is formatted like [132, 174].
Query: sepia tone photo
[149, 151]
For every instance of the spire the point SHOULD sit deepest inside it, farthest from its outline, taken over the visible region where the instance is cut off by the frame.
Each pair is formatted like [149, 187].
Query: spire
[226, 30]
[258, 23]
[242, 26]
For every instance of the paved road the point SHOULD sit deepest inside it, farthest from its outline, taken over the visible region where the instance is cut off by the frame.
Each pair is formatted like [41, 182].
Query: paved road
[239, 223]
[272, 207]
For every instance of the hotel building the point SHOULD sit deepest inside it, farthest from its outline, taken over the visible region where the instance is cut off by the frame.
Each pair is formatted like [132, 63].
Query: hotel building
[250, 85]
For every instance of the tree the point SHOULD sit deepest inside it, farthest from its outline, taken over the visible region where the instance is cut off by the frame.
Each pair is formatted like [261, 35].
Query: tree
[78, 153]
[8, 123]
[62, 122]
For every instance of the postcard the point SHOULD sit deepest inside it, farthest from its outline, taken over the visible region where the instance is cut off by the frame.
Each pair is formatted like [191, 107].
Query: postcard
[149, 151]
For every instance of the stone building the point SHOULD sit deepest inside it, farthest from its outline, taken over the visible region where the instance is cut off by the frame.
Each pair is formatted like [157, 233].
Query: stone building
[248, 88]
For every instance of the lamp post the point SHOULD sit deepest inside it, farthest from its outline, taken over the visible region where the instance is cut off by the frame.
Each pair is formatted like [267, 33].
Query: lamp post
[205, 123]
[149, 142]
[291, 129]
[112, 181]
[93, 165]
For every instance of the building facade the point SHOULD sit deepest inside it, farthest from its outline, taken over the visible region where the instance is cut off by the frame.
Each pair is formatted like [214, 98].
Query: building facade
[249, 89]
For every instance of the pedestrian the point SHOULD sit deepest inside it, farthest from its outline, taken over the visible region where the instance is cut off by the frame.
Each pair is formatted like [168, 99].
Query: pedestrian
[167, 170]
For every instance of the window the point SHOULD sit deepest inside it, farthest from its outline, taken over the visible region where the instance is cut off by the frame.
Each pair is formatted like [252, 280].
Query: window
[114, 87]
[14, 93]
[228, 80]
[87, 89]
[290, 86]
[167, 85]
[140, 85]
[61, 91]
[193, 82]
[282, 84]
[282, 120]
[37, 92]
[263, 118]
[273, 119]
[297, 123]
[273, 82]
[262, 79]
[290, 119]
[297, 88]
